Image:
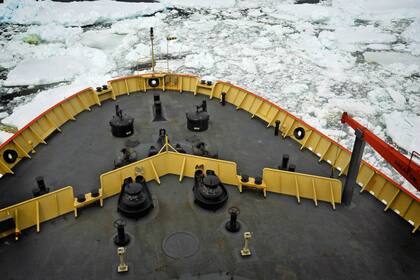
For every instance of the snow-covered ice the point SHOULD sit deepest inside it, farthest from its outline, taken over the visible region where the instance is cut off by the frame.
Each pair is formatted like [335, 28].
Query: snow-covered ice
[73, 13]
[4, 136]
[45, 71]
[408, 122]
[316, 61]
[41, 103]
[201, 4]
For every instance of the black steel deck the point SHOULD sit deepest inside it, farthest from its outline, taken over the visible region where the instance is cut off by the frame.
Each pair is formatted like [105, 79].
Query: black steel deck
[290, 241]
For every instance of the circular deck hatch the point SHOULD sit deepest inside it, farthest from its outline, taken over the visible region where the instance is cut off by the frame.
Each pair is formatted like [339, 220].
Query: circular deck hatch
[181, 245]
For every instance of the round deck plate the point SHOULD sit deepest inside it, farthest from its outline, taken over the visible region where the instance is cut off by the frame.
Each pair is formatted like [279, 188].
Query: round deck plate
[181, 245]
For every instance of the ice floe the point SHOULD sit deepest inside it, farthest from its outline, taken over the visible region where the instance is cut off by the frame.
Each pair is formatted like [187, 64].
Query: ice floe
[58, 68]
[73, 13]
[407, 122]
[41, 103]
[201, 4]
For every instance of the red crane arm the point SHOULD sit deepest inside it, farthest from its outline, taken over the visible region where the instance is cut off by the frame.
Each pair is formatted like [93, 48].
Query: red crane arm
[405, 166]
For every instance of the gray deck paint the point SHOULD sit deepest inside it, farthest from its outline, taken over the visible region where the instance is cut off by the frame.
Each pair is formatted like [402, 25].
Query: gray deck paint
[290, 241]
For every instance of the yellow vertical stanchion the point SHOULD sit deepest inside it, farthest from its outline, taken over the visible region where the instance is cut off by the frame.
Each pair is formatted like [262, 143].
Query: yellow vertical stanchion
[68, 115]
[155, 172]
[306, 140]
[21, 149]
[86, 107]
[37, 135]
[392, 199]
[332, 196]
[181, 174]
[314, 190]
[96, 97]
[286, 133]
[273, 119]
[297, 190]
[5, 167]
[326, 151]
[52, 122]
[57, 205]
[126, 86]
[258, 108]
[38, 227]
[17, 230]
[212, 90]
[250, 107]
[31, 144]
[101, 199]
[402, 213]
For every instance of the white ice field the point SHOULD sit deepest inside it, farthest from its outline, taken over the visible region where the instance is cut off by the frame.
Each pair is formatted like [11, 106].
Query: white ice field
[316, 61]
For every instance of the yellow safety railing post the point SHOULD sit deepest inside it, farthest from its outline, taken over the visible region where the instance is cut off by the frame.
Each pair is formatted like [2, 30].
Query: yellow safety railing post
[101, 199]
[37, 217]
[297, 190]
[126, 87]
[155, 172]
[84, 106]
[5, 167]
[314, 192]
[66, 112]
[17, 230]
[37, 135]
[181, 173]
[332, 196]
[392, 199]
[19, 147]
[306, 140]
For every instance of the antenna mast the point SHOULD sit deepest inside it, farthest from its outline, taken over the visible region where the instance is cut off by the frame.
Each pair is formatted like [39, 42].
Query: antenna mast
[153, 53]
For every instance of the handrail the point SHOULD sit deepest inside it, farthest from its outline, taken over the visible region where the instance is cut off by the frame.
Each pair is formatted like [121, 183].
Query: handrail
[184, 165]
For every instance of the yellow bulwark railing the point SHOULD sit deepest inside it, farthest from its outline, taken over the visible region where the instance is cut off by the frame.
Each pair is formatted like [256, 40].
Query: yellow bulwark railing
[152, 168]
[34, 211]
[36, 132]
[185, 165]
[303, 186]
[390, 193]
[46, 207]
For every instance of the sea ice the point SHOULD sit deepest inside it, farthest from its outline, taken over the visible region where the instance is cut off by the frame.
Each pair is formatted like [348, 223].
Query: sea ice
[4, 136]
[407, 122]
[72, 13]
[45, 71]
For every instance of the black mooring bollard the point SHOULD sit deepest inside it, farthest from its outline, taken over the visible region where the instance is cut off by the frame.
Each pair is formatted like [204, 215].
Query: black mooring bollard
[41, 187]
[276, 128]
[292, 168]
[284, 162]
[233, 225]
[223, 98]
[41, 183]
[122, 238]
